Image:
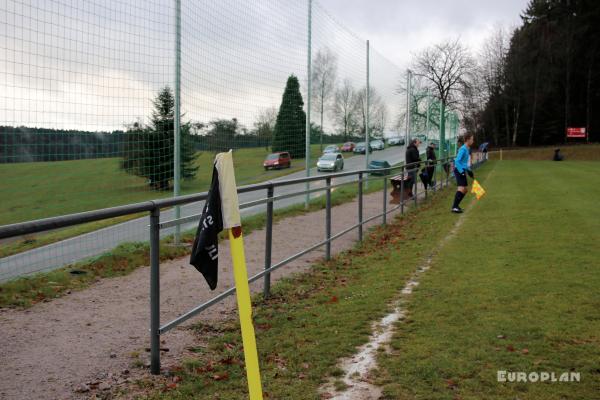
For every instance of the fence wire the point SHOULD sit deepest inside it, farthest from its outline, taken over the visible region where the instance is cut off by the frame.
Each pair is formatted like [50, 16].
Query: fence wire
[87, 100]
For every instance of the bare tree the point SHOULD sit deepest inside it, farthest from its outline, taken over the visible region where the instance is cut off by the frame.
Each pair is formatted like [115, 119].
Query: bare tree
[344, 110]
[448, 67]
[265, 124]
[491, 77]
[324, 75]
[375, 105]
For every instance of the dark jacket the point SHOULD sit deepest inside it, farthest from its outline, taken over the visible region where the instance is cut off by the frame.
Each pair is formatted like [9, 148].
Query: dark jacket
[412, 156]
[431, 154]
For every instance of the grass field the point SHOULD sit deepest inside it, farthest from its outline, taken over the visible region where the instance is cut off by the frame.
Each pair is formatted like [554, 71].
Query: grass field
[515, 290]
[40, 190]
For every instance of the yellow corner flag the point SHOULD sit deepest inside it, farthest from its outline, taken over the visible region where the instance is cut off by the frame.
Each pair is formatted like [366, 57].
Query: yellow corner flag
[477, 189]
[232, 222]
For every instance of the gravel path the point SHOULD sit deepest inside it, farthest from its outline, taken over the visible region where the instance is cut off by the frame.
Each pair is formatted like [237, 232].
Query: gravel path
[89, 336]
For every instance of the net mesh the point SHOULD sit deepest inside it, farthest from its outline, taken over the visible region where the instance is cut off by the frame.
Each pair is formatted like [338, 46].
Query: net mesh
[87, 94]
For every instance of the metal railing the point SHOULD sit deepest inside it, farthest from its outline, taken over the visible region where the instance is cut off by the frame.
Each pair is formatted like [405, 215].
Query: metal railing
[154, 207]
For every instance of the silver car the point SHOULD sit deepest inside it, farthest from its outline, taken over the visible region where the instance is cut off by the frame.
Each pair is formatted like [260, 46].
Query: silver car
[330, 162]
[377, 144]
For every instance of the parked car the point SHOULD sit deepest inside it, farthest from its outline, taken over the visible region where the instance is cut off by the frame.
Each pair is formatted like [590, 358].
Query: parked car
[361, 148]
[396, 141]
[377, 144]
[376, 164]
[332, 148]
[348, 146]
[278, 160]
[330, 162]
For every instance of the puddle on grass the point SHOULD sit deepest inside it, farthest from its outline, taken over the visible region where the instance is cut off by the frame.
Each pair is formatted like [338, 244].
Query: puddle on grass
[357, 368]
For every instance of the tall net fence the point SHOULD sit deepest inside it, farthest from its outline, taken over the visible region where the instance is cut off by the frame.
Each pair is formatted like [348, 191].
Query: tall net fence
[87, 106]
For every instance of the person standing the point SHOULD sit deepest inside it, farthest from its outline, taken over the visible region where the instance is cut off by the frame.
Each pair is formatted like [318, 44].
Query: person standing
[462, 168]
[412, 159]
[431, 159]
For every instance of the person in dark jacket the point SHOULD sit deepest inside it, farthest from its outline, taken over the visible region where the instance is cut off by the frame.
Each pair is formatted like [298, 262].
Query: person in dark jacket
[557, 155]
[413, 159]
[431, 159]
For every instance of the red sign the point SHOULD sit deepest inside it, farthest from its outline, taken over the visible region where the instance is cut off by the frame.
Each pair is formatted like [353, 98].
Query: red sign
[576, 132]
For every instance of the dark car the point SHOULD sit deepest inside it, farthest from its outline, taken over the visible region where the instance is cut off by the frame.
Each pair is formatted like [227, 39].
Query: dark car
[278, 160]
[348, 146]
[396, 141]
[361, 148]
[376, 164]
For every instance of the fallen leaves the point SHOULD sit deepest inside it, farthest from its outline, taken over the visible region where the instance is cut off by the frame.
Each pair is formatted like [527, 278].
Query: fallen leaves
[221, 377]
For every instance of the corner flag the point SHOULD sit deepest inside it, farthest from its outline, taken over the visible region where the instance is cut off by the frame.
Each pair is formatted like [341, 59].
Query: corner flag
[477, 189]
[222, 211]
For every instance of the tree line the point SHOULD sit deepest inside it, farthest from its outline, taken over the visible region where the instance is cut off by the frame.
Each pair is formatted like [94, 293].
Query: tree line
[542, 77]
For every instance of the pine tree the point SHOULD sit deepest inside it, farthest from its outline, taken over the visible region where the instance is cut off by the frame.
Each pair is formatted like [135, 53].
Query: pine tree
[149, 150]
[290, 128]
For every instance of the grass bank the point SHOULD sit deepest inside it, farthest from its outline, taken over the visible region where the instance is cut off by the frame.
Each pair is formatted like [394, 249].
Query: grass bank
[573, 152]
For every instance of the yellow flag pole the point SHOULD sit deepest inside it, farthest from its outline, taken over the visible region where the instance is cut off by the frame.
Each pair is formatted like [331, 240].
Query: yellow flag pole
[245, 309]
[232, 222]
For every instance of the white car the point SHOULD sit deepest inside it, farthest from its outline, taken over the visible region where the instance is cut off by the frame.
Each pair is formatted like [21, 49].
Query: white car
[377, 144]
[330, 162]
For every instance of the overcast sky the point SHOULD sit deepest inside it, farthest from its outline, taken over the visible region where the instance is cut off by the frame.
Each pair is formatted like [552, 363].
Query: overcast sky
[97, 64]
[398, 28]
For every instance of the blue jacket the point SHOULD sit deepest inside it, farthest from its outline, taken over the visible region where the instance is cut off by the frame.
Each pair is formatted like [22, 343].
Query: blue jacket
[461, 162]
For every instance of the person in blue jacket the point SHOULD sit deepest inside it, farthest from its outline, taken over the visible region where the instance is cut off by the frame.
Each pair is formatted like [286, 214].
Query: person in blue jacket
[462, 167]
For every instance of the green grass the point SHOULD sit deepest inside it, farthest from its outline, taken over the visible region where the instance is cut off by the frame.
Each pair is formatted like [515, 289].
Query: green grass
[27, 291]
[573, 152]
[40, 190]
[312, 319]
[515, 290]
[45, 189]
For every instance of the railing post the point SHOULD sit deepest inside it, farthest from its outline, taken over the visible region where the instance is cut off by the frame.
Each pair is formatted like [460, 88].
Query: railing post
[360, 206]
[385, 175]
[328, 220]
[402, 191]
[154, 291]
[425, 185]
[268, 242]
[416, 183]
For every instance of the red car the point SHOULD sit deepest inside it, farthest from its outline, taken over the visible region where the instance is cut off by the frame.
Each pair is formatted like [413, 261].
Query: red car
[348, 146]
[278, 160]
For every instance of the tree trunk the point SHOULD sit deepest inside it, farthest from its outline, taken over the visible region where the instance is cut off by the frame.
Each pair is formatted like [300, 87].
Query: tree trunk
[495, 128]
[516, 112]
[534, 107]
[322, 106]
[568, 79]
[588, 106]
[507, 125]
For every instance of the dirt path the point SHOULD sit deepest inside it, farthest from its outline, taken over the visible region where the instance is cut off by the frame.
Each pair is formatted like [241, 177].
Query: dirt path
[90, 337]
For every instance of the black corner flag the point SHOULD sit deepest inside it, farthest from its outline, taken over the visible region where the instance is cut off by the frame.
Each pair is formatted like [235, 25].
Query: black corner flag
[205, 252]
